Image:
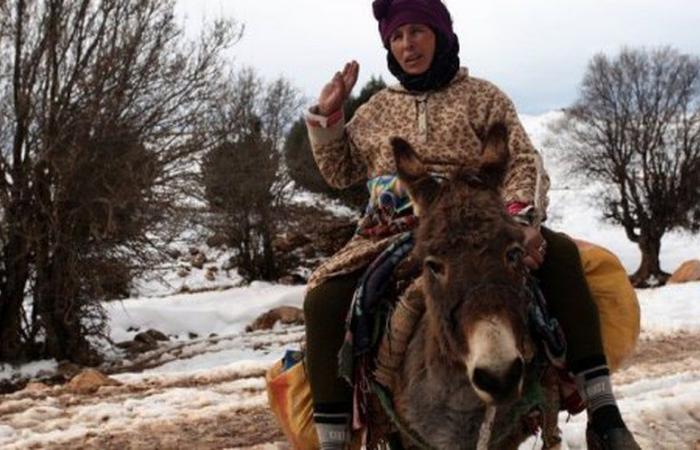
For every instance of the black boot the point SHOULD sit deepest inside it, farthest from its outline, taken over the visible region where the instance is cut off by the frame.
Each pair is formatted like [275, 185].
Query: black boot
[613, 439]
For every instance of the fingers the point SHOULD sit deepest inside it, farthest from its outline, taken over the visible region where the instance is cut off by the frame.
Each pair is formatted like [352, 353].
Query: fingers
[338, 80]
[332, 95]
[350, 73]
[337, 90]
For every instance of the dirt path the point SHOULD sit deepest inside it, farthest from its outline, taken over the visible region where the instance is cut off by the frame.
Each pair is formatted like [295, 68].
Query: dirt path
[244, 428]
[661, 356]
[226, 409]
[675, 429]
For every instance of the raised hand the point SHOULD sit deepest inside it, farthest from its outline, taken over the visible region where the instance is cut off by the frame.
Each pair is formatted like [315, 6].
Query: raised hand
[336, 91]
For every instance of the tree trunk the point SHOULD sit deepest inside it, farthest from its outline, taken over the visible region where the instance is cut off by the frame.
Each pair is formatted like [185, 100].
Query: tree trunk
[269, 271]
[650, 246]
[60, 310]
[11, 298]
[16, 274]
[64, 337]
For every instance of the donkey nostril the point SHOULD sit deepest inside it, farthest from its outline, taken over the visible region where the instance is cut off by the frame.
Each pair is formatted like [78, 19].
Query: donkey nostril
[486, 381]
[500, 385]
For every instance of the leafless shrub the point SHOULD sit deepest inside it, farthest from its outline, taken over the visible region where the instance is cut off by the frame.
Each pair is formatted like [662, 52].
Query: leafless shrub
[102, 116]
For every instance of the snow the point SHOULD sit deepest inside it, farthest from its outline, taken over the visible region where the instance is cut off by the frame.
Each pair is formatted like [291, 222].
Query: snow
[669, 309]
[30, 370]
[674, 398]
[218, 312]
[331, 205]
[221, 369]
[181, 276]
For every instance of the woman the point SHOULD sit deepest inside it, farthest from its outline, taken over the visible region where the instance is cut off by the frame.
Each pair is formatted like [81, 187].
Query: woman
[443, 112]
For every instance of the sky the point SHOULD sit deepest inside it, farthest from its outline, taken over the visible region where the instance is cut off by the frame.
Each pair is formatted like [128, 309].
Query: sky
[535, 50]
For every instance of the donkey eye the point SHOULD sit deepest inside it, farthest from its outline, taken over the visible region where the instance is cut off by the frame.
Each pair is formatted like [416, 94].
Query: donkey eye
[434, 266]
[514, 254]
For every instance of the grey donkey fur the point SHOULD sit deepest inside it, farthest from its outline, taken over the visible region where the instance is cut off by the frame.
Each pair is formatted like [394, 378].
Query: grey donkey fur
[464, 227]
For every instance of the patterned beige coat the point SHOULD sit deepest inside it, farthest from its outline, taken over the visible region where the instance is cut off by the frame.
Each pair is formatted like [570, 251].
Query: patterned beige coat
[445, 128]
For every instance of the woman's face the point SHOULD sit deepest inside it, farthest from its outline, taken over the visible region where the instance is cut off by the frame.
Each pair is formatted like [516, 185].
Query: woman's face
[413, 47]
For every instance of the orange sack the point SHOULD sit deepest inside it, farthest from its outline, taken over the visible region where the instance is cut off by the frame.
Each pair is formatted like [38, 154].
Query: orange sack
[616, 300]
[289, 396]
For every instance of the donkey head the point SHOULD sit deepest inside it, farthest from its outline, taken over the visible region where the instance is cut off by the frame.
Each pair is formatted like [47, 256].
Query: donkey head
[473, 271]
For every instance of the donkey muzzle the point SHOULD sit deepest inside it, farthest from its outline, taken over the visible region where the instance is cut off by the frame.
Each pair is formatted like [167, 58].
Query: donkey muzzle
[500, 385]
[495, 363]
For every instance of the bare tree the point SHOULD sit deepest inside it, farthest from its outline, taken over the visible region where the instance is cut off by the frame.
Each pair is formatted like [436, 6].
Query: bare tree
[245, 182]
[636, 128]
[101, 121]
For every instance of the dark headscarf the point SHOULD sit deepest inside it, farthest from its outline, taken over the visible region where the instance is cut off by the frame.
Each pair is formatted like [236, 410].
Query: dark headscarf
[392, 14]
[444, 67]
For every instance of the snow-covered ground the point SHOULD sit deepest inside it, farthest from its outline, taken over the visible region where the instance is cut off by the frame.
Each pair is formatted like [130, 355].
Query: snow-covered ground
[205, 388]
[222, 375]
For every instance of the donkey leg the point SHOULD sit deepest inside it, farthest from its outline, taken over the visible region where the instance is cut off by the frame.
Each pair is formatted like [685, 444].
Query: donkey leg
[551, 433]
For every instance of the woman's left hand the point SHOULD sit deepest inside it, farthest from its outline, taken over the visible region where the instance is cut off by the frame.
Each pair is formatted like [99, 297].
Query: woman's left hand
[535, 247]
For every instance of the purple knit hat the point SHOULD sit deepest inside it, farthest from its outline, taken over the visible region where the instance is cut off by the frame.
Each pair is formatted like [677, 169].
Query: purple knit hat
[391, 14]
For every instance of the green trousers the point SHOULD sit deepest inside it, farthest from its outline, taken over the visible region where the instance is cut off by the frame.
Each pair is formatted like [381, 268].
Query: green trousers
[562, 282]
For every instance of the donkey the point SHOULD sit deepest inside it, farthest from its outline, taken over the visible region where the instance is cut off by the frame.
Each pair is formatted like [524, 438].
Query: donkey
[471, 356]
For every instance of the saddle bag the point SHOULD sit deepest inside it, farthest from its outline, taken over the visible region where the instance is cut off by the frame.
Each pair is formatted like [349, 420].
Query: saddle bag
[616, 300]
[289, 397]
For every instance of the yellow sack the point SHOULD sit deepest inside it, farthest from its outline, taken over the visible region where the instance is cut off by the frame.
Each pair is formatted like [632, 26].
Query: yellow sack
[616, 299]
[289, 395]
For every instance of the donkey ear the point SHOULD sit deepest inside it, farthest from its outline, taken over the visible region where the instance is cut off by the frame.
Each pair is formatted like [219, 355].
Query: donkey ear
[414, 175]
[494, 157]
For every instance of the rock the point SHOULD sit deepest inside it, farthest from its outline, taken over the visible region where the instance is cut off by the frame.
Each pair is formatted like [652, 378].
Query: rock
[151, 335]
[290, 241]
[144, 341]
[192, 335]
[308, 251]
[89, 381]
[688, 271]
[291, 280]
[229, 264]
[287, 315]
[35, 386]
[217, 240]
[198, 260]
[210, 274]
[67, 369]
[182, 273]
[173, 253]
